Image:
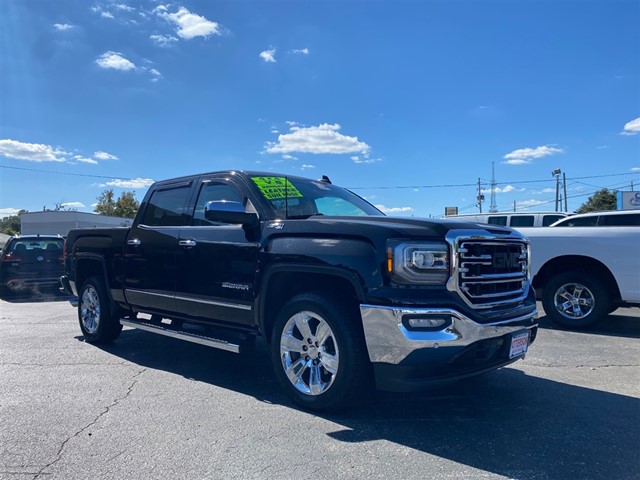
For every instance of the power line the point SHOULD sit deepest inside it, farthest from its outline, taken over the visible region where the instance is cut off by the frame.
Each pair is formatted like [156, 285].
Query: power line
[65, 173]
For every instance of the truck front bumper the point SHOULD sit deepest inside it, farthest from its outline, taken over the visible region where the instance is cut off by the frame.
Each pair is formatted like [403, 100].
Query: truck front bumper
[407, 358]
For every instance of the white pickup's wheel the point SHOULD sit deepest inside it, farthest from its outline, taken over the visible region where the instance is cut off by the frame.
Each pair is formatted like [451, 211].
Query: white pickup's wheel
[575, 299]
[318, 352]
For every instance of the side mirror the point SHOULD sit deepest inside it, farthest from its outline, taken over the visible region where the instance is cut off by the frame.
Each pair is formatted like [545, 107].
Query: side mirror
[226, 211]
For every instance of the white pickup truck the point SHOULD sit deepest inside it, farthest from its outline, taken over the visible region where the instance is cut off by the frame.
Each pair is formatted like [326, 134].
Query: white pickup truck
[582, 274]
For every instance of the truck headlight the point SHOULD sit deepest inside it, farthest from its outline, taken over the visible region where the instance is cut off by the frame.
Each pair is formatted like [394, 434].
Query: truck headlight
[424, 263]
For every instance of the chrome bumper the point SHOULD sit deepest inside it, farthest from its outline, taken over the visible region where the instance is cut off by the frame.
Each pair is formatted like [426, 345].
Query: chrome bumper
[389, 341]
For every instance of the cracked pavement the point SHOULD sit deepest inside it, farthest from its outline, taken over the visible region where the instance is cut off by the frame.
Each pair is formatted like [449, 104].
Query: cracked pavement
[148, 407]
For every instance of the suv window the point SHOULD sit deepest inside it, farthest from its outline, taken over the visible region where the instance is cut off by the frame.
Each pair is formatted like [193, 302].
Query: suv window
[580, 222]
[631, 220]
[522, 221]
[211, 192]
[497, 221]
[167, 207]
[549, 219]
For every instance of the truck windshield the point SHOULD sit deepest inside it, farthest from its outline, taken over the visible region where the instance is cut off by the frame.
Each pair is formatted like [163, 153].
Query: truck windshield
[303, 198]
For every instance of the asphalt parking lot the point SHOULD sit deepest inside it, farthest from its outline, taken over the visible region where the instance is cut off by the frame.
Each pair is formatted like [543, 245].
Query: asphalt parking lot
[151, 407]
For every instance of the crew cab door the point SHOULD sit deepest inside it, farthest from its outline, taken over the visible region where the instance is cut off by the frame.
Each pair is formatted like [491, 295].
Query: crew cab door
[151, 248]
[216, 263]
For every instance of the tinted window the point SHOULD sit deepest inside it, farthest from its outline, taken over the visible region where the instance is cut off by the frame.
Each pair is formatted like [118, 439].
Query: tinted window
[498, 221]
[632, 220]
[210, 192]
[579, 222]
[166, 207]
[522, 221]
[549, 219]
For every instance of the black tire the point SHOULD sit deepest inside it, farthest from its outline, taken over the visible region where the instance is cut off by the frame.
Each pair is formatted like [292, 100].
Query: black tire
[333, 364]
[576, 299]
[99, 320]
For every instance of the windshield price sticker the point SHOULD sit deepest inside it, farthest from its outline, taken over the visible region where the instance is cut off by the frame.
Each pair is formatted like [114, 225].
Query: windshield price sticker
[276, 187]
[519, 344]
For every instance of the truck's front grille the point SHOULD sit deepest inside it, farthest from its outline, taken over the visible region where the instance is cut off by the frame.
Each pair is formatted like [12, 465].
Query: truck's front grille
[492, 272]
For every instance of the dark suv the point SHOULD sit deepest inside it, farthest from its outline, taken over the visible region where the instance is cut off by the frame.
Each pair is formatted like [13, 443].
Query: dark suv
[29, 263]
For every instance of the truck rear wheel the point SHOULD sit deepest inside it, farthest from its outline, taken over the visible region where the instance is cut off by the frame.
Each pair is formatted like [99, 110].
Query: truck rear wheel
[318, 353]
[99, 324]
[575, 299]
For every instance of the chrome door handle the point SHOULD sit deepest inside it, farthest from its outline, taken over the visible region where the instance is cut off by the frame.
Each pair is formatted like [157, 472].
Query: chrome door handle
[136, 242]
[187, 243]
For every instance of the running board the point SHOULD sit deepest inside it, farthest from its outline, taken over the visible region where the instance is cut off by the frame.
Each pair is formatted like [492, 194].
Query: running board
[181, 335]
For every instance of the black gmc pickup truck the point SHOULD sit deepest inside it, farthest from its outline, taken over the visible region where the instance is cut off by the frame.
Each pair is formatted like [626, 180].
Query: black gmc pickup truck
[341, 293]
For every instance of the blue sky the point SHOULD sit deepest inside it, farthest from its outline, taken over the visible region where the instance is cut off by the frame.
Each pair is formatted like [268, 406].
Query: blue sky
[406, 102]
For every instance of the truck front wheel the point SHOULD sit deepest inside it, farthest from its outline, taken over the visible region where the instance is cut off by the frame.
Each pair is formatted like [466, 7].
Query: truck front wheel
[575, 299]
[318, 352]
[99, 324]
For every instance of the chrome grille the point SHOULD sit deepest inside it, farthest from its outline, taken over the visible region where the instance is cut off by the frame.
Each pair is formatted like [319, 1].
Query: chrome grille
[492, 272]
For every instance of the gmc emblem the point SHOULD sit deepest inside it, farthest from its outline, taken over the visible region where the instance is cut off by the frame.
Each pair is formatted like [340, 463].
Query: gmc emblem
[506, 260]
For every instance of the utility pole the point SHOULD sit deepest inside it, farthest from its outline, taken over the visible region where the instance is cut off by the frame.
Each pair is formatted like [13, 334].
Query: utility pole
[480, 195]
[556, 173]
[564, 189]
[514, 205]
[493, 208]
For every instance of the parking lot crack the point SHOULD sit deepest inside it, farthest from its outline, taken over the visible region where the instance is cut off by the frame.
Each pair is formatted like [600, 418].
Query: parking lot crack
[106, 410]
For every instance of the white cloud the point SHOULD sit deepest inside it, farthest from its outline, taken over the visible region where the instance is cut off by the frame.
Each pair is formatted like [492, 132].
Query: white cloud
[104, 156]
[163, 40]
[81, 159]
[364, 159]
[526, 155]
[7, 212]
[133, 183]
[305, 166]
[105, 14]
[73, 205]
[324, 138]
[115, 61]
[289, 157]
[32, 152]
[269, 56]
[635, 169]
[189, 25]
[62, 26]
[530, 203]
[301, 51]
[391, 210]
[155, 75]
[632, 127]
[124, 7]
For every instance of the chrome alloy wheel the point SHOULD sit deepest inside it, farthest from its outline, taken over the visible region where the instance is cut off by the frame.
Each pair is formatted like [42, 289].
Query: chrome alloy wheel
[309, 353]
[574, 301]
[90, 310]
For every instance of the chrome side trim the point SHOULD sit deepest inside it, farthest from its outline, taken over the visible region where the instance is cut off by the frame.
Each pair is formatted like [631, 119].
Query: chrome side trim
[187, 336]
[388, 341]
[237, 306]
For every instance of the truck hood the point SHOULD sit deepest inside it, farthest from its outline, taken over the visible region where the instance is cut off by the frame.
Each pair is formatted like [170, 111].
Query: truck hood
[388, 227]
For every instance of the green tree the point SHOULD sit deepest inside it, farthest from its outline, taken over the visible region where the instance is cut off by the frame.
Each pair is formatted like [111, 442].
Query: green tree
[125, 206]
[106, 204]
[11, 225]
[600, 201]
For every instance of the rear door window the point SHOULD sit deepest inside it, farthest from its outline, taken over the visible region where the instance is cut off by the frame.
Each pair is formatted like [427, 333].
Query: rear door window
[498, 221]
[631, 220]
[167, 207]
[522, 221]
[549, 219]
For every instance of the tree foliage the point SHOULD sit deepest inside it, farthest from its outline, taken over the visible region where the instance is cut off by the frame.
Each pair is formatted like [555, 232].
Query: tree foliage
[11, 225]
[602, 200]
[125, 206]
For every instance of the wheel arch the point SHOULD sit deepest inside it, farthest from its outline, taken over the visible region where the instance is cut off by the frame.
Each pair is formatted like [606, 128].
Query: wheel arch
[89, 265]
[302, 279]
[583, 263]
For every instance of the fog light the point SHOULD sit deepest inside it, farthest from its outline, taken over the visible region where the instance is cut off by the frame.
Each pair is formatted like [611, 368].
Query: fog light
[430, 322]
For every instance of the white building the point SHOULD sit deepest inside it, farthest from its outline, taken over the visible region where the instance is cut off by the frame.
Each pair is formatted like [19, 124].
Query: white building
[52, 223]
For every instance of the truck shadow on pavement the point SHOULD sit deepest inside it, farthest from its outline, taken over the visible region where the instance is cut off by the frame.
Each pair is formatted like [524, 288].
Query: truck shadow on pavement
[614, 325]
[506, 422]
